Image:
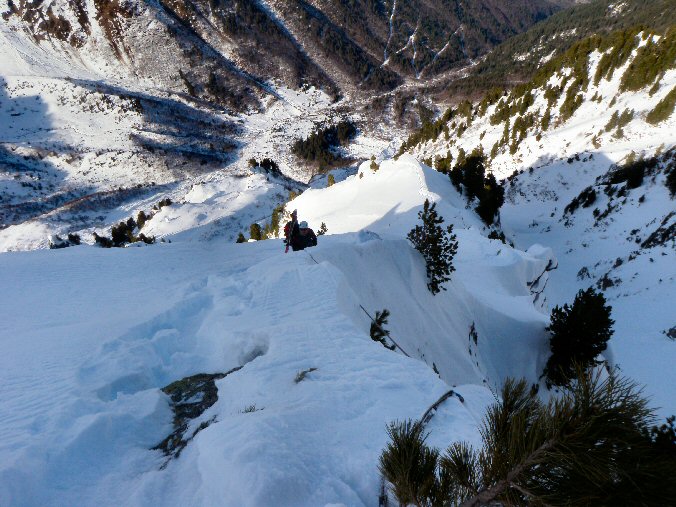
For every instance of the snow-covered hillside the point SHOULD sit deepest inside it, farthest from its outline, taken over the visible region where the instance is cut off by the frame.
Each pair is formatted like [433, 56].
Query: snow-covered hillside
[82, 149]
[568, 187]
[94, 334]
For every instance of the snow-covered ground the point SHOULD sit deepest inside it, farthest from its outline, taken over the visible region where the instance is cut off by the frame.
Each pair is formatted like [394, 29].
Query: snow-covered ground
[91, 335]
[72, 131]
[552, 167]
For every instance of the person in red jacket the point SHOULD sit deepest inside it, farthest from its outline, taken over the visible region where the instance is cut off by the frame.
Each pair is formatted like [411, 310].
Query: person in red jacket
[292, 232]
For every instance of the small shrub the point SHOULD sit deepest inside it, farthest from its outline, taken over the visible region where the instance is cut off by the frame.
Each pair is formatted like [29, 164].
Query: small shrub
[378, 332]
[586, 198]
[74, 239]
[141, 219]
[161, 204]
[240, 238]
[331, 180]
[102, 241]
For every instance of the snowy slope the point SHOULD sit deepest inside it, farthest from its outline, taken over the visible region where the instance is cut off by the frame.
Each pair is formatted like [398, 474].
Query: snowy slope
[81, 405]
[600, 245]
[83, 146]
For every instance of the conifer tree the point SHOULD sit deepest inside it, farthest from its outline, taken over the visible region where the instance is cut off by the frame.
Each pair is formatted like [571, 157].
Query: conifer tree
[591, 446]
[579, 333]
[241, 238]
[437, 245]
[255, 232]
[491, 199]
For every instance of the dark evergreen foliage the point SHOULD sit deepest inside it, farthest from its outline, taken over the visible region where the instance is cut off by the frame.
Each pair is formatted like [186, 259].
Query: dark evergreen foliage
[255, 232]
[240, 238]
[161, 204]
[57, 242]
[633, 172]
[492, 198]
[443, 164]
[74, 239]
[267, 164]
[591, 446]
[579, 333]
[322, 229]
[378, 332]
[141, 219]
[470, 172]
[317, 146]
[618, 121]
[651, 62]
[408, 463]
[102, 241]
[437, 245]
[430, 130]
[671, 181]
[664, 108]
[586, 198]
[272, 228]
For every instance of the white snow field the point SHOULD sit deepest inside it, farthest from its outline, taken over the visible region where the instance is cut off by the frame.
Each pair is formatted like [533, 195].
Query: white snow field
[89, 336]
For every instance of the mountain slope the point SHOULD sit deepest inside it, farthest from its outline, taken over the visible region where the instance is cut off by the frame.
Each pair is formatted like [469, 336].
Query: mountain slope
[585, 152]
[520, 57]
[82, 405]
[111, 107]
[246, 43]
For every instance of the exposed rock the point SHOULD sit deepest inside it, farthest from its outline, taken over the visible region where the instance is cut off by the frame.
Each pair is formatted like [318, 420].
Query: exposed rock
[190, 398]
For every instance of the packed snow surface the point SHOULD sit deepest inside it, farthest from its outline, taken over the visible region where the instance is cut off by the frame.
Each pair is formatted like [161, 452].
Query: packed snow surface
[91, 335]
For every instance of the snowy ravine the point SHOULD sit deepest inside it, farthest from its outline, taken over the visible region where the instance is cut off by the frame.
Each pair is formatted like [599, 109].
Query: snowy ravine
[605, 244]
[90, 336]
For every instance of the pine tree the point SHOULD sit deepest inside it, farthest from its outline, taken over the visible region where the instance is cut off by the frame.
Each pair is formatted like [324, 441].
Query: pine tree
[322, 229]
[579, 333]
[255, 232]
[437, 246]
[408, 463]
[490, 200]
[240, 238]
[141, 219]
[591, 446]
